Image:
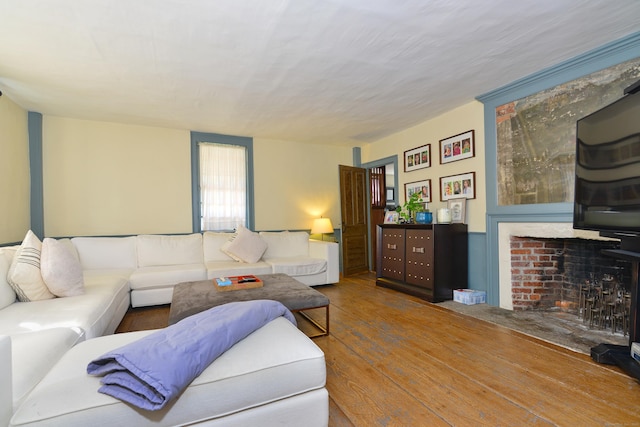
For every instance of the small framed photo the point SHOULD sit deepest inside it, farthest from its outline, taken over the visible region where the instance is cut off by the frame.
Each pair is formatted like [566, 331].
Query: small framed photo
[458, 147]
[423, 187]
[391, 217]
[417, 158]
[456, 186]
[458, 209]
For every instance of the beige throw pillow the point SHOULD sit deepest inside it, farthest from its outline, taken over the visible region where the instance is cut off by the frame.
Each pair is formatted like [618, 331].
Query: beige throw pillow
[246, 246]
[61, 270]
[24, 274]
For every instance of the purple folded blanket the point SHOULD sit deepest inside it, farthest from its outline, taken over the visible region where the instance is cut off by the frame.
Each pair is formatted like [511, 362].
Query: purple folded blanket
[149, 372]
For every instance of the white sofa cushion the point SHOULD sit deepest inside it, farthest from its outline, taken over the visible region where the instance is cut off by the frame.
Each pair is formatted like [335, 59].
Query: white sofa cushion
[298, 266]
[24, 273]
[284, 244]
[166, 275]
[61, 269]
[245, 246]
[234, 268]
[94, 312]
[159, 250]
[102, 253]
[7, 294]
[35, 353]
[228, 386]
[212, 243]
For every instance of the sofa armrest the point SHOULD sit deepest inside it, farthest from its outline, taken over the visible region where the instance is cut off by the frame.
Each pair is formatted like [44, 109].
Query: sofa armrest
[6, 392]
[330, 252]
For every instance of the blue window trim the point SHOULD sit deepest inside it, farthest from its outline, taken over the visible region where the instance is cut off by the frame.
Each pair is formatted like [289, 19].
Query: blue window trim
[34, 126]
[614, 53]
[197, 137]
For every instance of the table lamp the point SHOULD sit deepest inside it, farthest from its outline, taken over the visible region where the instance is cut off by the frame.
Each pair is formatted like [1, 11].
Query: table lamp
[322, 226]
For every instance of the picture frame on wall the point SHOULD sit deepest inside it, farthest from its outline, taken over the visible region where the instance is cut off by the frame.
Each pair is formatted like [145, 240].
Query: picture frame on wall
[458, 186]
[417, 158]
[458, 209]
[423, 187]
[391, 217]
[458, 147]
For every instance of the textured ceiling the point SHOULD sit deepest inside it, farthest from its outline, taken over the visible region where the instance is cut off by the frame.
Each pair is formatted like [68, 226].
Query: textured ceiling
[322, 71]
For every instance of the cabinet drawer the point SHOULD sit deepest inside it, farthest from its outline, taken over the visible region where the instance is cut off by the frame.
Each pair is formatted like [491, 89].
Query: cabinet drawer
[419, 272]
[393, 256]
[419, 258]
[393, 269]
[419, 245]
[393, 241]
[418, 276]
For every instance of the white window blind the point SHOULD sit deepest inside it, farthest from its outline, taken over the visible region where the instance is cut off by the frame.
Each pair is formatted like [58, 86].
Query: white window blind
[223, 186]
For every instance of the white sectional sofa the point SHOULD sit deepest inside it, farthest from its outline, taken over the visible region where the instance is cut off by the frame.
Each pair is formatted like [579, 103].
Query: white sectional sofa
[40, 363]
[157, 263]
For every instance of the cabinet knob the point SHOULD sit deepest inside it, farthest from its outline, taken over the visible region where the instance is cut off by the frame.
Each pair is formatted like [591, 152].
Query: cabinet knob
[392, 247]
[418, 250]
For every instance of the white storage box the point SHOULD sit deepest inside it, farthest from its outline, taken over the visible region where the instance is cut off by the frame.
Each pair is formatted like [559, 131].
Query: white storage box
[469, 296]
[635, 351]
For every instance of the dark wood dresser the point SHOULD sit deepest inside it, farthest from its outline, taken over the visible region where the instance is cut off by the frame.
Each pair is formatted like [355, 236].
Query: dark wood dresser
[428, 261]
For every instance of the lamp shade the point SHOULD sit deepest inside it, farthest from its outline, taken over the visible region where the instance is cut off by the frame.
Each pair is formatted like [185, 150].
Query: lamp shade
[321, 226]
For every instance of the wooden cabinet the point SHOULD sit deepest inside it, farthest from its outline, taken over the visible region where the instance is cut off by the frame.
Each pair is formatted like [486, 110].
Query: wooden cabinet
[428, 261]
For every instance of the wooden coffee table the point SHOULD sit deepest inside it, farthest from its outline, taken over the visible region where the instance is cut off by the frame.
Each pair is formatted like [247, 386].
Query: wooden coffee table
[193, 297]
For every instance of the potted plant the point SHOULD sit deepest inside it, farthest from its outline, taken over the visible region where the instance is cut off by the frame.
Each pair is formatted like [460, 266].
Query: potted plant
[411, 206]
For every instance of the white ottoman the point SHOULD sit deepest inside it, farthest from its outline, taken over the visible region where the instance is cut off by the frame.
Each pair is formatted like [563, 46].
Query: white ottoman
[275, 376]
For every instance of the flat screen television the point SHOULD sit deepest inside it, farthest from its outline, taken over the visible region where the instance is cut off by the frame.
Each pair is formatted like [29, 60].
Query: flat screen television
[607, 173]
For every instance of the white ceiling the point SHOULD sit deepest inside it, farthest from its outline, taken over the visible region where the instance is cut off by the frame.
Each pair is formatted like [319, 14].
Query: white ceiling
[322, 71]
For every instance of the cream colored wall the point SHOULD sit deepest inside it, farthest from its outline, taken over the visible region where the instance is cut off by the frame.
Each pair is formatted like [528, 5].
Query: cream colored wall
[110, 179]
[464, 118]
[295, 183]
[15, 183]
[113, 179]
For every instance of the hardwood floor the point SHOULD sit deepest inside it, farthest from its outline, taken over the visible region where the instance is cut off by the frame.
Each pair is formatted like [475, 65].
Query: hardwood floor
[395, 360]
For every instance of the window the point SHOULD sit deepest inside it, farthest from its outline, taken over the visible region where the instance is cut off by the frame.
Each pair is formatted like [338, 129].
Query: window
[223, 186]
[222, 182]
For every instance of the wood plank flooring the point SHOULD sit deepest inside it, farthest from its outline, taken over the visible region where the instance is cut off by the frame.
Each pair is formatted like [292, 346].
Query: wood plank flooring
[395, 360]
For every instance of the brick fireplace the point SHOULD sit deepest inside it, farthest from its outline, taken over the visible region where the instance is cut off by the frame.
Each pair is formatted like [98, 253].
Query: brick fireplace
[547, 273]
[546, 278]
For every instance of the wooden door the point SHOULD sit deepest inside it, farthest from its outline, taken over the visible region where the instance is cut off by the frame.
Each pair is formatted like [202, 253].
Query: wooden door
[353, 204]
[378, 192]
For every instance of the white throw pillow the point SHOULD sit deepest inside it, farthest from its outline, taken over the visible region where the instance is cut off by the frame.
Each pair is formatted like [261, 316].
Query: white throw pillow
[61, 270]
[24, 274]
[246, 246]
[7, 294]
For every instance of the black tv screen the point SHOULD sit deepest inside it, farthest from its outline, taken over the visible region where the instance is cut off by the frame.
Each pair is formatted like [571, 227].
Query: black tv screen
[607, 174]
